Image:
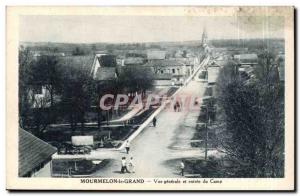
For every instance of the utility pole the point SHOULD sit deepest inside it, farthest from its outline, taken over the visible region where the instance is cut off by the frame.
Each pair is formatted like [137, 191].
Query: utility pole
[206, 132]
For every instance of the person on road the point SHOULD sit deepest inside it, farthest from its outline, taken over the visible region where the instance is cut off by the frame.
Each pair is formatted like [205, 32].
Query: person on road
[178, 106]
[182, 166]
[127, 146]
[154, 122]
[131, 166]
[124, 165]
[175, 108]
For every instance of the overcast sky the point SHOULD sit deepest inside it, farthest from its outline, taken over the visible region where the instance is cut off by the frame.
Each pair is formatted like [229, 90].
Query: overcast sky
[89, 29]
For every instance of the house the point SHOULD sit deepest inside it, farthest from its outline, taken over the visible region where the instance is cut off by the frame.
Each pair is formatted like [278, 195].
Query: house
[39, 96]
[246, 59]
[188, 61]
[104, 67]
[161, 80]
[133, 61]
[166, 68]
[213, 73]
[246, 64]
[156, 55]
[35, 156]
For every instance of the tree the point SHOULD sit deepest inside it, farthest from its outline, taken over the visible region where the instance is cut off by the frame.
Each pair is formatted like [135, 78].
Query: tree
[47, 72]
[252, 120]
[135, 79]
[26, 61]
[77, 96]
[35, 112]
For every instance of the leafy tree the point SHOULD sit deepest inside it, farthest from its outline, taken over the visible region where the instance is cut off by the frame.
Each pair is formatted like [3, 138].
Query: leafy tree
[26, 61]
[42, 72]
[47, 72]
[253, 120]
[135, 79]
[77, 96]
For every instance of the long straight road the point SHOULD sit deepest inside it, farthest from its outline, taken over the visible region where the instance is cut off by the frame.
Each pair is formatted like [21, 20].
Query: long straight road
[155, 148]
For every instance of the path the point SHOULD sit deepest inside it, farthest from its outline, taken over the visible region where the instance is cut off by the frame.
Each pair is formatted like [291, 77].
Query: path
[156, 145]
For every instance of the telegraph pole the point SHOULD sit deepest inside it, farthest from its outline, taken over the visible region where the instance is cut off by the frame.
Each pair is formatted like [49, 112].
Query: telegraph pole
[206, 132]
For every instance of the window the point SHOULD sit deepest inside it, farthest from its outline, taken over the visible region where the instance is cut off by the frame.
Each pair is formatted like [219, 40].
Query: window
[161, 71]
[173, 71]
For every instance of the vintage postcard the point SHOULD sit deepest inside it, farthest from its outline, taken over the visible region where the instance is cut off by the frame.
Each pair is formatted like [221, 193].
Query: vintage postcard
[150, 98]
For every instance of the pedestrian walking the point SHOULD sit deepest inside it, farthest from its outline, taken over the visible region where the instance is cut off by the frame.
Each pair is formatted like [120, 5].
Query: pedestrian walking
[178, 106]
[127, 146]
[182, 166]
[124, 165]
[131, 166]
[175, 108]
[154, 121]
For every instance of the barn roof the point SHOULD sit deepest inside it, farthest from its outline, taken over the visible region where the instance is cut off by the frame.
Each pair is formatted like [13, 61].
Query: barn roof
[32, 152]
[79, 62]
[105, 73]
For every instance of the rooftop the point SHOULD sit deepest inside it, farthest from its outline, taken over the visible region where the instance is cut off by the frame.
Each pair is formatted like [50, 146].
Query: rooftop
[80, 62]
[246, 58]
[105, 73]
[163, 63]
[134, 61]
[156, 55]
[32, 152]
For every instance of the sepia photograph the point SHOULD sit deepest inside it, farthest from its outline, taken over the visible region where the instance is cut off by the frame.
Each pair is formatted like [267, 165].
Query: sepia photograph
[179, 98]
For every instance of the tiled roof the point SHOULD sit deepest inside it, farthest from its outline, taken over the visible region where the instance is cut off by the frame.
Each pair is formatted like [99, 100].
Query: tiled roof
[105, 73]
[135, 68]
[246, 58]
[107, 60]
[80, 62]
[164, 63]
[32, 152]
[156, 54]
[134, 61]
